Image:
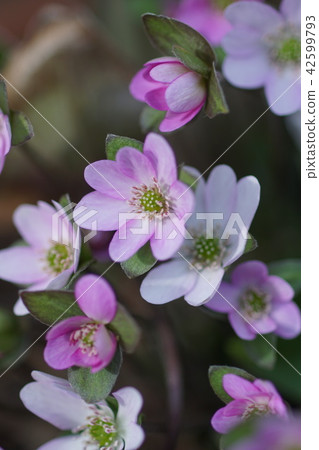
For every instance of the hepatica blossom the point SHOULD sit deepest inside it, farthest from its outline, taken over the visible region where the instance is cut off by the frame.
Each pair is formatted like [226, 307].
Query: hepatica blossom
[166, 84]
[257, 302]
[84, 340]
[250, 398]
[92, 426]
[271, 433]
[51, 252]
[217, 237]
[139, 196]
[205, 16]
[5, 138]
[263, 49]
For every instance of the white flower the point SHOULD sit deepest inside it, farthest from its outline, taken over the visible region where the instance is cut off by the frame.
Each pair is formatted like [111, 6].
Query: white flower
[93, 426]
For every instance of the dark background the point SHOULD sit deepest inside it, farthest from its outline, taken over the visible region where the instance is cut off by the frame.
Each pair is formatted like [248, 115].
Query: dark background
[73, 61]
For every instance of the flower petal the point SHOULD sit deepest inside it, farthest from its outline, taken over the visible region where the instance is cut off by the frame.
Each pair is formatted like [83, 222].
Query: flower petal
[253, 15]
[249, 72]
[186, 93]
[241, 42]
[34, 223]
[250, 273]
[169, 240]
[287, 318]
[136, 165]
[241, 327]
[207, 283]
[166, 73]
[130, 238]
[66, 326]
[265, 325]
[104, 176]
[105, 343]
[21, 265]
[168, 282]
[156, 99]
[140, 85]
[162, 157]
[291, 10]
[226, 296]
[59, 406]
[173, 121]
[182, 198]
[228, 417]
[76, 442]
[279, 289]
[283, 90]
[96, 211]
[237, 387]
[130, 403]
[96, 298]
[59, 352]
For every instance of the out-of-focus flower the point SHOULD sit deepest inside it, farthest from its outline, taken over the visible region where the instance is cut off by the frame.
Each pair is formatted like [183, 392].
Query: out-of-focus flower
[222, 204]
[263, 49]
[99, 245]
[140, 196]
[5, 138]
[272, 433]
[251, 398]
[166, 84]
[205, 16]
[264, 300]
[51, 254]
[93, 426]
[84, 340]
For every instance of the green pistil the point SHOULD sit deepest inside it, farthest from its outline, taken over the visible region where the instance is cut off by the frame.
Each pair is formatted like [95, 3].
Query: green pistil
[207, 250]
[103, 432]
[289, 50]
[153, 201]
[254, 303]
[59, 258]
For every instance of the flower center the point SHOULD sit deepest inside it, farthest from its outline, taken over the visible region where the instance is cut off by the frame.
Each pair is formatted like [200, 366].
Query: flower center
[59, 258]
[150, 200]
[253, 409]
[206, 252]
[102, 430]
[85, 338]
[285, 46]
[254, 303]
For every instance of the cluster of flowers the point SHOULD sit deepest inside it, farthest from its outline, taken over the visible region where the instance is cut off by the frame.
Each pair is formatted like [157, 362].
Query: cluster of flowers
[196, 230]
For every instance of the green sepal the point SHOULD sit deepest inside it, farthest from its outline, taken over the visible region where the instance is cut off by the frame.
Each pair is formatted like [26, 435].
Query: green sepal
[172, 37]
[151, 119]
[21, 128]
[260, 352]
[190, 179]
[126, 328]
[251, 244]
[216, 375]
[51, 306]
[4, 105]
[215, 103]
[113, 143]
[140, 263]
[94, 387]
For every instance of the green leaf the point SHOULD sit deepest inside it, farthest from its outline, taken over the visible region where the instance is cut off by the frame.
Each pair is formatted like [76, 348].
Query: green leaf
[238, 434]
[251, 244]
[289, 270]
[151, 119]
[139, 263]
[50, 306]
[216, 374]
[113, 143]
[260, 352]
[21, 128]
[65, 200]
[94, 387]
[4, 106]
[188, 176]
[191, 61]
[126, 328]
[172, 37]
[215, 103]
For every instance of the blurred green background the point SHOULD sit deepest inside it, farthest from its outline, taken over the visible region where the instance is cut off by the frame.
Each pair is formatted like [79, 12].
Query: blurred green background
[73, 61]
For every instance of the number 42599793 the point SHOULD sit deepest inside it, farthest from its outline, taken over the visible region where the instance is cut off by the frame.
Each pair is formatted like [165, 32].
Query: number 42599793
[310, 44]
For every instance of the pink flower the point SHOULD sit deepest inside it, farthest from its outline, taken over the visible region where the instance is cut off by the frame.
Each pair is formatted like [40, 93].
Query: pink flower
[91, 426]
[166, 84]
[271, 433]
[265, 301]
[263, 50]
[51, 254]
[138, 195]
[84, 340]
[251, 398]
[205, 16]
[5, 138]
